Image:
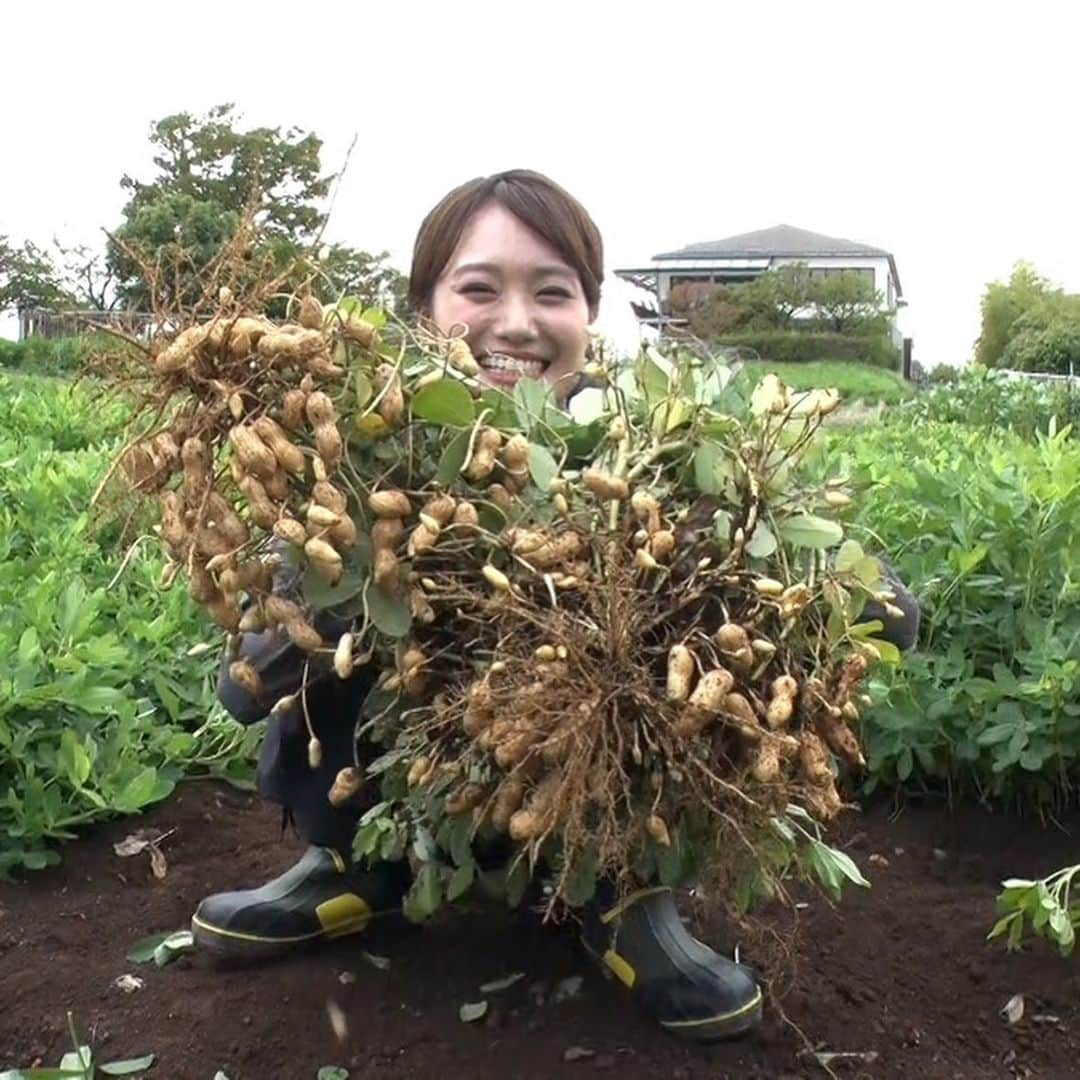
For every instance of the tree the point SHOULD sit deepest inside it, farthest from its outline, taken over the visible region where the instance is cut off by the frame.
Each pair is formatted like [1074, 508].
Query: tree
[175, 233]
[370, 278]
[206, 158]
[1052, 347]
[88, 276]
[211, 178]
[28, 273]
[714, 314]
[846, 301]
[1026, 294]
[772, 299]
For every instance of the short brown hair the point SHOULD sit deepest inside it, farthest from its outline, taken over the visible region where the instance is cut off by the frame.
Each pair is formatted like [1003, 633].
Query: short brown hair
[550, 211]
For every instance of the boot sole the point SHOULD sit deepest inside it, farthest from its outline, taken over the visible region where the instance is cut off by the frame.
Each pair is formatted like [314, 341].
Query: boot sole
[236, 944]
[728, 1025]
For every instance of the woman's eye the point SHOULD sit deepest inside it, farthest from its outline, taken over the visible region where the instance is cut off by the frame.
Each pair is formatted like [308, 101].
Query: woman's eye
[557, 294]
[478, 289]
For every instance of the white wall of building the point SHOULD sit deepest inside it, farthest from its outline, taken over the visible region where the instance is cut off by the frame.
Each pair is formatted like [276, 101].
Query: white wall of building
[879, 264]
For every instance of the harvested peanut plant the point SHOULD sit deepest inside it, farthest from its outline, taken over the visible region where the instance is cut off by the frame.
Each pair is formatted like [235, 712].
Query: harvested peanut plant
[629, 644]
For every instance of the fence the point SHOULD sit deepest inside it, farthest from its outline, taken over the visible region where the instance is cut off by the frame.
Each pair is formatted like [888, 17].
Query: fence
[1072, 380]
[38, 322]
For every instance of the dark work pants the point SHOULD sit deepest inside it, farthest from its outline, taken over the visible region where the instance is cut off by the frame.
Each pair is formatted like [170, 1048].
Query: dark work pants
[284, 775]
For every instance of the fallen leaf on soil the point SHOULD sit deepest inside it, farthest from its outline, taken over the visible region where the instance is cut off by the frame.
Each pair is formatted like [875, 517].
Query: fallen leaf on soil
[131, 845]
[77, 1060]
[577, 1053]
[173, 946]
[472, 1010]
[128, 983]
[337, 1020]
[504, 983]
[142, 952]
[380, 962]
[1013, 1009]
[161, 948]
[332, 1072]
[128, 1067]
[826, 1059]
[158, 866]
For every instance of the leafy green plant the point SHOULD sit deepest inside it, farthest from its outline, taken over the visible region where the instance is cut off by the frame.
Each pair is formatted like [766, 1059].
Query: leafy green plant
[44, 356]
[101, 709]
[983, 525]
[983, 398]
[1045, 908]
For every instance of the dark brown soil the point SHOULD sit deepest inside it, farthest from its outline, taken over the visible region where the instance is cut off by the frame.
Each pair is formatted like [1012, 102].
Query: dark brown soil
[901, 971]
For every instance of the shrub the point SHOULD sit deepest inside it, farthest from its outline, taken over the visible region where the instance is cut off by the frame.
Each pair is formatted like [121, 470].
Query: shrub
[944, 375]
[43, 356]
[799, 346]
[1053, 348]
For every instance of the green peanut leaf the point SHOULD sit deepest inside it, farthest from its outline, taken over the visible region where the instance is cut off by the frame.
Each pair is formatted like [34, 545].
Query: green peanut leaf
[461, 881]
[542, 466]
[445, 402]
[453, 459]
[810, 531]
[425, 895]
[390, 614]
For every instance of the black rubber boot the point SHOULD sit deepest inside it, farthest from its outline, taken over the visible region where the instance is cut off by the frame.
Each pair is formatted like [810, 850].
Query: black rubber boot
[692, 991]
[321, 897]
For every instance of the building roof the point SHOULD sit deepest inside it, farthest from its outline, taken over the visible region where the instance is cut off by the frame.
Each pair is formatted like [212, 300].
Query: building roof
[784, 240]
[781, 241]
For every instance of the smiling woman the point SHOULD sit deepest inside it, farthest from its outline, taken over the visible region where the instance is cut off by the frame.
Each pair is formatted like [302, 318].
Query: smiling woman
[516, 263]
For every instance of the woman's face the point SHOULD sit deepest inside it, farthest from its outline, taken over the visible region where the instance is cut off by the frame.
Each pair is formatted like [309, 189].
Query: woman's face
[524, 307]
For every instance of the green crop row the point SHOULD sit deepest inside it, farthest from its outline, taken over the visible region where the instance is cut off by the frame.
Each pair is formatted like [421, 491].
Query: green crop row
[102, 709]
[983, 525]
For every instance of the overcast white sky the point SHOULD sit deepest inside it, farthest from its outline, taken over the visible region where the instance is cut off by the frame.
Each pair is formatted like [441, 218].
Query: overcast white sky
[944, 132]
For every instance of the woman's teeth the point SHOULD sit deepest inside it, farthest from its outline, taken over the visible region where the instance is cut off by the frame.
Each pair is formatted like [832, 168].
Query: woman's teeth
[531, 369]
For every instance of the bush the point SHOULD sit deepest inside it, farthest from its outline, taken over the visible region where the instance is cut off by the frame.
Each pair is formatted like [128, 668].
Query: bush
[799, 346]
[102, 710]
[1054, 348]
[944, 375]
[43, 356]
[983, 526]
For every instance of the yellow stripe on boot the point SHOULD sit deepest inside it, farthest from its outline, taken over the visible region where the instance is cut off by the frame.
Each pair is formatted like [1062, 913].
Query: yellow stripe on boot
[344, 914]
[623, 971]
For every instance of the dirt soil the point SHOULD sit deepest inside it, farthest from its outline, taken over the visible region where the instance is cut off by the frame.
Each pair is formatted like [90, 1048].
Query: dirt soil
[900, 973]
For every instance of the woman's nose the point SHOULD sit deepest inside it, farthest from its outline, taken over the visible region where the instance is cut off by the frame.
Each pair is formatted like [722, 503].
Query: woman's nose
[515, 320]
